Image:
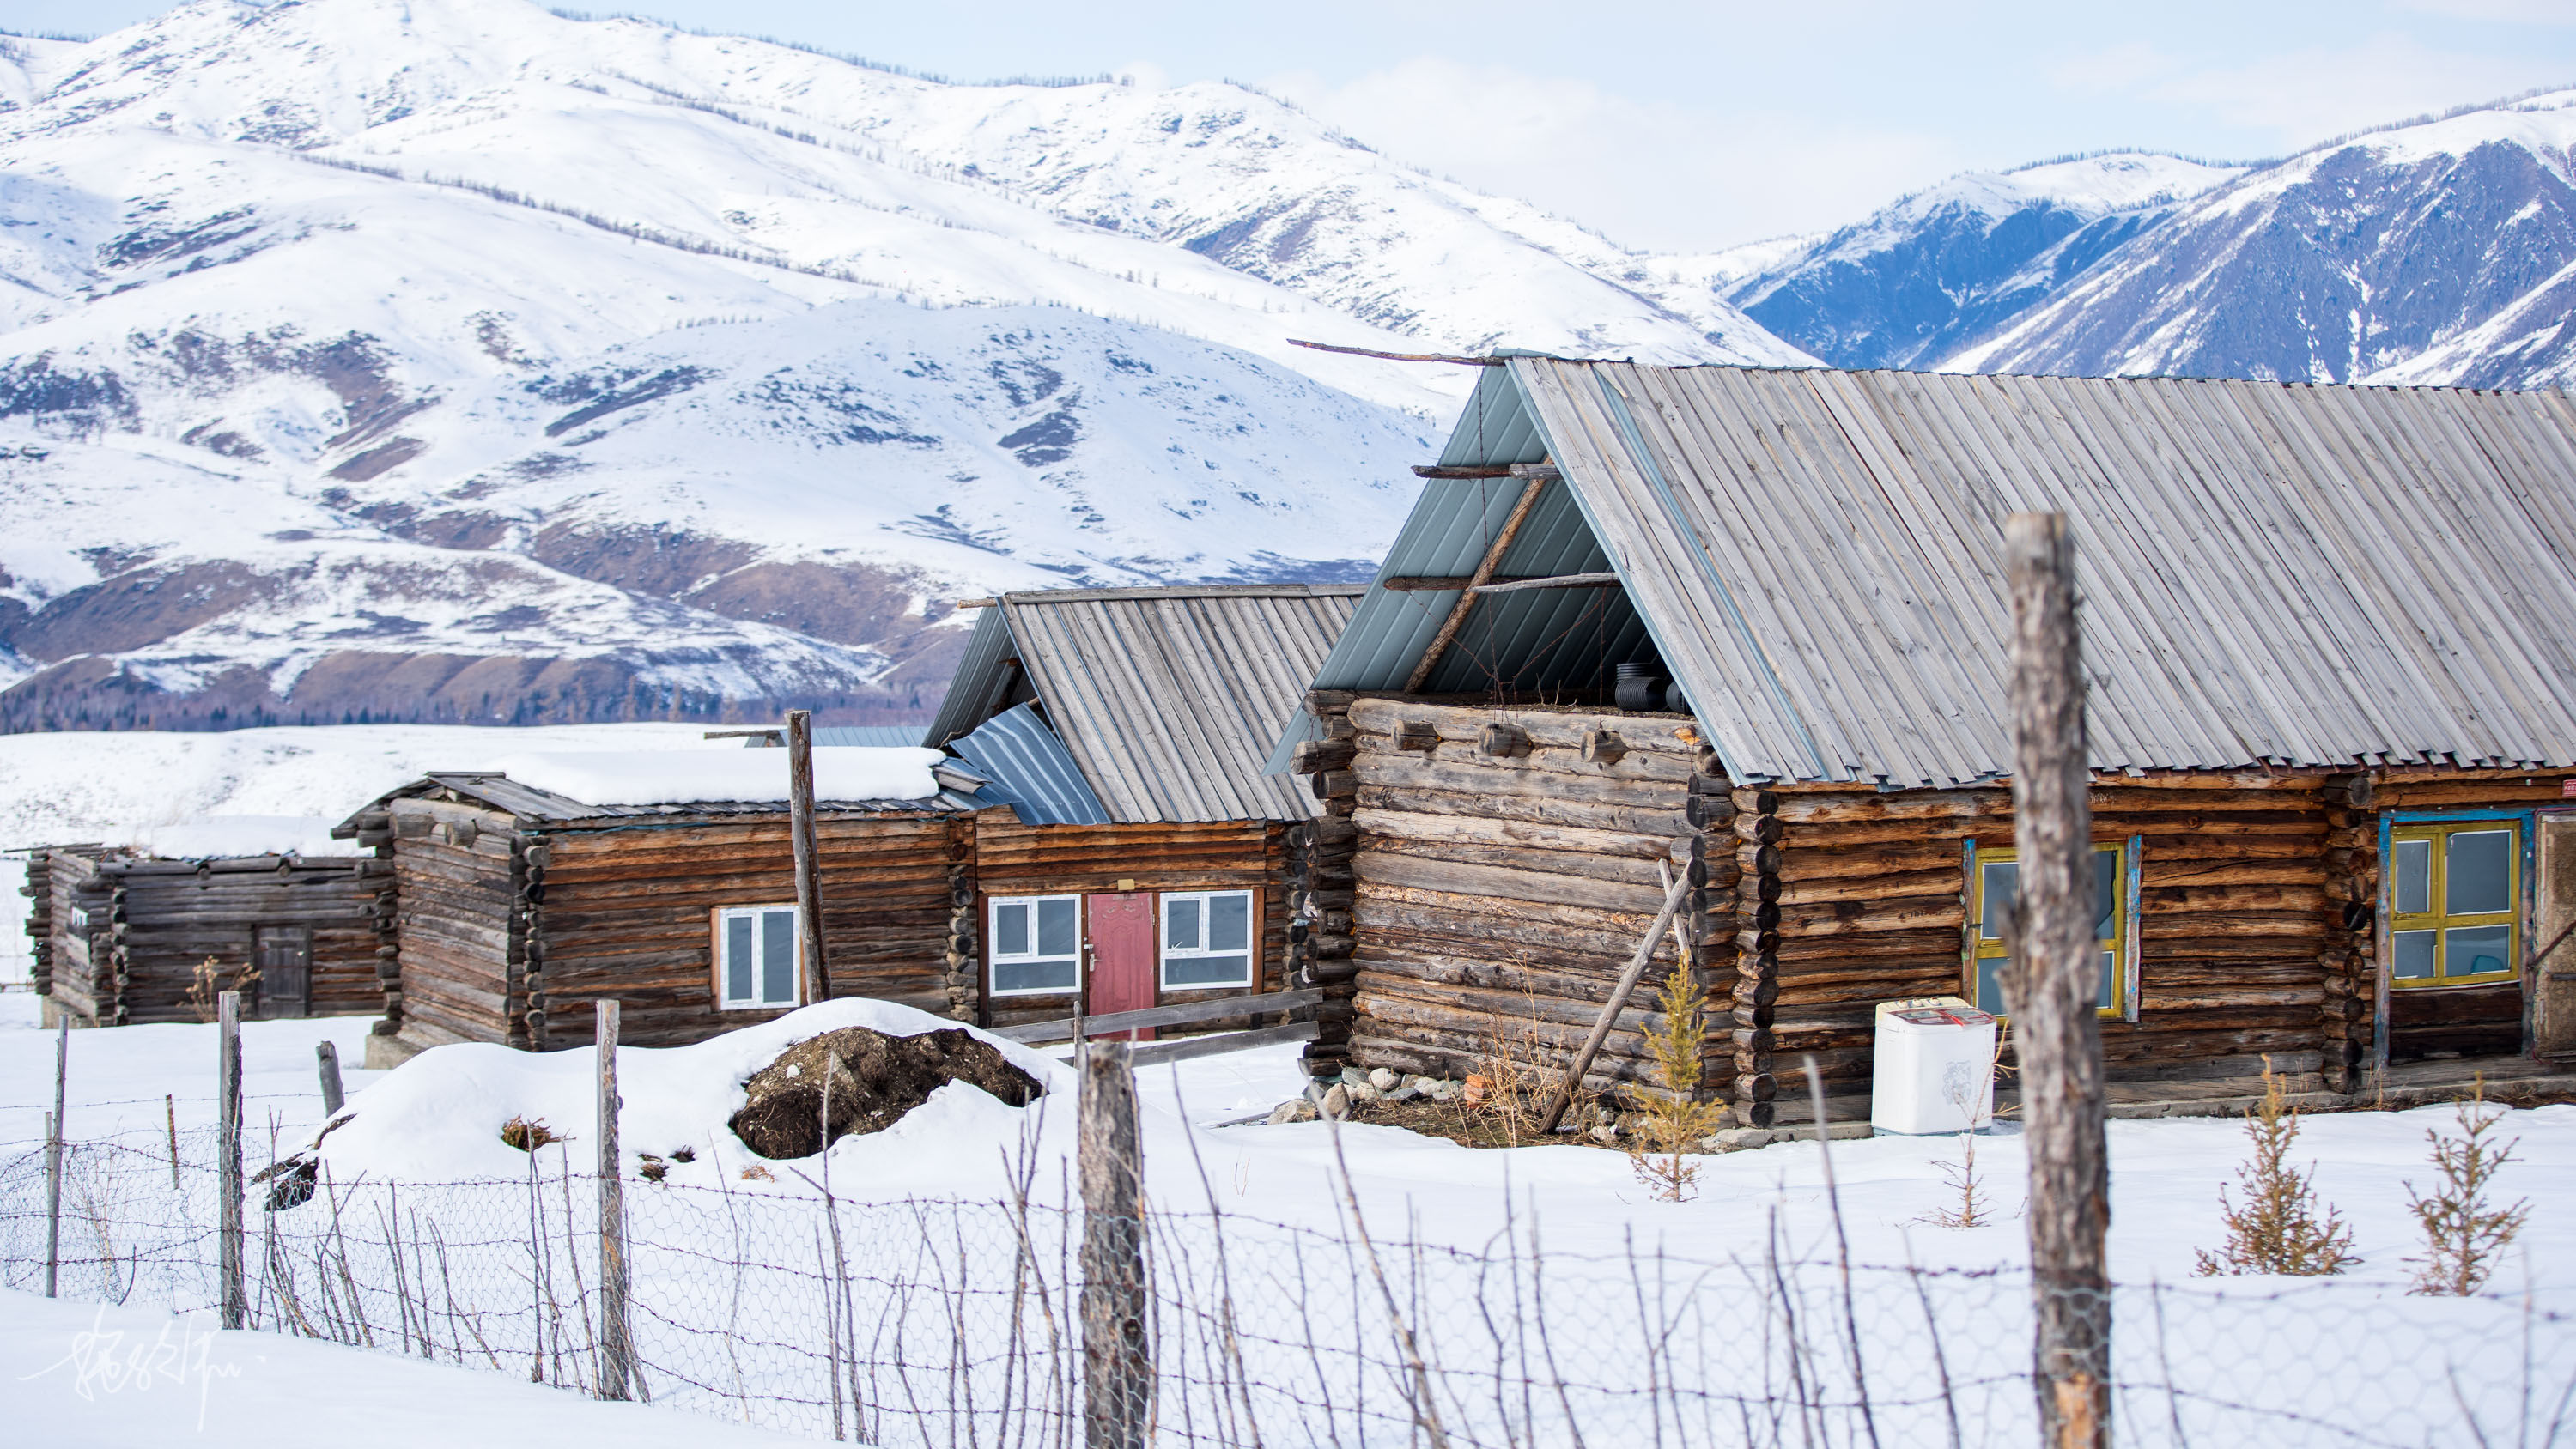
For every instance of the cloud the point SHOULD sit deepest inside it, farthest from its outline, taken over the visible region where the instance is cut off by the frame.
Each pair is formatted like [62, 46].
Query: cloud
[1648, 173]
[2304, 96]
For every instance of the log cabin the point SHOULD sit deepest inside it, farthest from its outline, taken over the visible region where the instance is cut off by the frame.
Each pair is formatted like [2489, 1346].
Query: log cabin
[517, 905]
[123, 936]
[1146, 858]
[1750, 626]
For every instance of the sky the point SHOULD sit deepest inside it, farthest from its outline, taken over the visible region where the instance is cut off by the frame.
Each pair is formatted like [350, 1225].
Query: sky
[1689, 127]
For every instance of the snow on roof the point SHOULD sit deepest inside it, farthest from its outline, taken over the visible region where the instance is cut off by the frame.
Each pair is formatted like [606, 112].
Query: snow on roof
[688, 777]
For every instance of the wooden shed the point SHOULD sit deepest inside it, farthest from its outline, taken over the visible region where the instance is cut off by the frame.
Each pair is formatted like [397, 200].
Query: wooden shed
[125, 937]
[1147, 859]
[518, 907]
[2330, 636]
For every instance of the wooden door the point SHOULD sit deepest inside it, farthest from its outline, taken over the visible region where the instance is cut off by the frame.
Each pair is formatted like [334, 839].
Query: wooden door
[1122, 957]
[284, 956]
[2554, 967]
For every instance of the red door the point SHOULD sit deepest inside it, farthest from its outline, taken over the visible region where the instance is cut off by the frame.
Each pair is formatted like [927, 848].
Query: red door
[1122, 957]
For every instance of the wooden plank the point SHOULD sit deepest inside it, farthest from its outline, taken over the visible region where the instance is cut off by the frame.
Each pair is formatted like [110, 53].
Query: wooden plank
[1190, 1048]
[1179, 1014]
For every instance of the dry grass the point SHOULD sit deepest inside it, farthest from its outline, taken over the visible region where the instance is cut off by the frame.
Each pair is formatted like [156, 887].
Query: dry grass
[527, 1135]
[2278, 1228]
[206, 986]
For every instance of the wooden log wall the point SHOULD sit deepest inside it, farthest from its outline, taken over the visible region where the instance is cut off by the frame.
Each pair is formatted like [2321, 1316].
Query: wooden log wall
[1013, 859]
[627, 913]
[1506, 868]
[39, 893]
[375, 834]
[1321, 891]
[458, 887]
[81, 969]
[171, 916]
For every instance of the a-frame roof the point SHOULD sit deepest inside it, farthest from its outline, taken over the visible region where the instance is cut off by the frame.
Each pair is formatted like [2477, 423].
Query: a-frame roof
[2271, 574]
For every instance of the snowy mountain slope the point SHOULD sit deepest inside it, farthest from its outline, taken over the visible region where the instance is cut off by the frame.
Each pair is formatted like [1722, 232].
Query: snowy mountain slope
[2340, 264]
[1915, 280]
[715, 366]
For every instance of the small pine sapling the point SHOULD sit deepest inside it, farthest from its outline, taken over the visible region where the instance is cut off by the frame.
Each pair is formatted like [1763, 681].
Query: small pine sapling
[1674, 1119]
[2464, 1233]
[1967, 1094]
[2277, 1229]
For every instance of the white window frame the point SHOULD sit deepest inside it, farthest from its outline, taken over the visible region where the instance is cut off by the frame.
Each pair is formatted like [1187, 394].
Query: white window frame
[1165, 953]
[725, 1001]
[994, 959]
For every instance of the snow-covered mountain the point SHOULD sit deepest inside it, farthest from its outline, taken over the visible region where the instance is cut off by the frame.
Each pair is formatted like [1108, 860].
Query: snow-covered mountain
[456, 359]
[1920, 277]
[2439, 251]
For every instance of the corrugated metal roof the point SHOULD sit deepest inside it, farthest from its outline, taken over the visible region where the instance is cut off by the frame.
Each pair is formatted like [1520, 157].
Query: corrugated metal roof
[526, 802]
[1167, 699]
[1030, 770]
[874, 737]
[2288, 574]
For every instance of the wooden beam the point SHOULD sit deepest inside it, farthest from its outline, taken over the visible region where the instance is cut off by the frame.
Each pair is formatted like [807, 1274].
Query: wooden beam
[809, 870]
[1398, 356]
[1232, 1041]
[1559, 581]
[1546, 471]
[1484, 574]
[1179, 1014]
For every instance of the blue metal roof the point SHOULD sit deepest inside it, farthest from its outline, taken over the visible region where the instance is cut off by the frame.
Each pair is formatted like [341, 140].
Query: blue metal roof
[1029, 769]
[875, 737]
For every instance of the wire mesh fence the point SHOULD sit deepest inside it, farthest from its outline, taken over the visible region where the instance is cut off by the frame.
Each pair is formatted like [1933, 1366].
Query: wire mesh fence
[920, 1321]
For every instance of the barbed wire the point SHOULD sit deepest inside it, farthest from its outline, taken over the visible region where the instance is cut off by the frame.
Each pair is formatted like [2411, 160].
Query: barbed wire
[956, 1322]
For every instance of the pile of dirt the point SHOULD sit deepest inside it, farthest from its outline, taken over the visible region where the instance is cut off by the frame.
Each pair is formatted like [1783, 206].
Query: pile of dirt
[875, 1079]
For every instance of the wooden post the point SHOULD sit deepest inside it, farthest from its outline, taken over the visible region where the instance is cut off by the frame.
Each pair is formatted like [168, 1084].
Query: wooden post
[809, 870]
[1573, 1079]
[2058, 1036]
[616, 1339]
[228, 1160]
[1117, 1368]
[54, 1155]
[328, 1054]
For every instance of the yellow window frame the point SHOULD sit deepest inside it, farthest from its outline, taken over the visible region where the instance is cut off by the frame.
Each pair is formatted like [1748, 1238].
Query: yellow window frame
[2438, 918]
[1983, 948]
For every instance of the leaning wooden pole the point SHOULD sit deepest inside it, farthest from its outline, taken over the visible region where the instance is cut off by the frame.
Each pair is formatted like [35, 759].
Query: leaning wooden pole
[809, 869]
[616, 1329]
[1563, 1096]
[235, 1299]
[1117, 1363]
[2055, 1028]
[54, 1156]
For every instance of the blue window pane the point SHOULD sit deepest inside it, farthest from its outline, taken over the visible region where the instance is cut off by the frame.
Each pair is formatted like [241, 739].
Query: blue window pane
[1181, 923]
[1208, 971]
[1056, 927]
[1011, 929]
[2106, 895]
[737, 958]
[2477, 950]
[2477, 873]
[2414, 878]
[1230, 922]
[2002, 882]
[1990, 991]
[778, 958]
[1033, 975]
[2414, 951]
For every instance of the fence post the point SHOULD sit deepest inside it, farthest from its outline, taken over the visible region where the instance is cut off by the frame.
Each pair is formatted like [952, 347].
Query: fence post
[328, 1054]
[2058, 1035]
[228, 1160]
[1117, 1369]
[809, 867]
[54, 1156]
[616, 1341]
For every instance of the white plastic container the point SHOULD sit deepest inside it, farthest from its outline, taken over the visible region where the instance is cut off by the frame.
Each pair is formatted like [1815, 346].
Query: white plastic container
[1933, 1067]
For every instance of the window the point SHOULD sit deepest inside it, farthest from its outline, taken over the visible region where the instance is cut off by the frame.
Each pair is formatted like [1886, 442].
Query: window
[1995, 880]
[757, 958]
[1207, 939]
[2452, 888]
[1037, 945]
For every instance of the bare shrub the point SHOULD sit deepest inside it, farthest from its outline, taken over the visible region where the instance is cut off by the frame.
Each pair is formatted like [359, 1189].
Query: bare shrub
[528, 1135]
[1672, 1120]
[2464, 1233]
[206, 985]
[2278, 1228]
